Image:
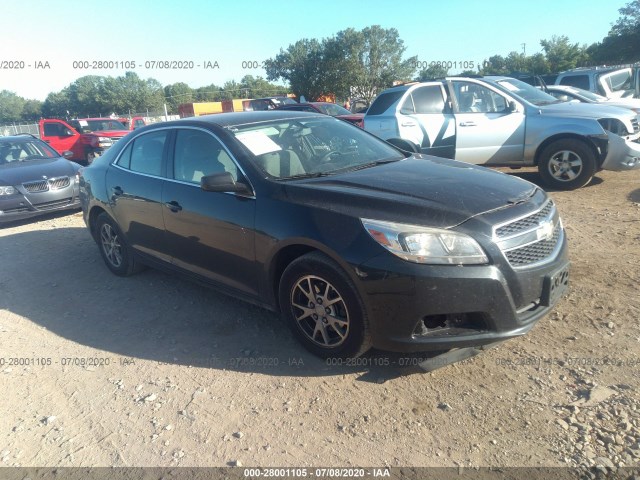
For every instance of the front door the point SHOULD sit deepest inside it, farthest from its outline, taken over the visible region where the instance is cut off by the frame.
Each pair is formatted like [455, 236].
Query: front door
[209, 233]
[488, 130]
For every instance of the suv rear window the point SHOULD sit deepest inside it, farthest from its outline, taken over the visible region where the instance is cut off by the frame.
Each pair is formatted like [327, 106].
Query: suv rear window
[580, 81]
[384, 101]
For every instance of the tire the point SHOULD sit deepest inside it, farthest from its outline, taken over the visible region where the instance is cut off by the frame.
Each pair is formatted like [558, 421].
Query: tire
[404, 145]
[567, 164]
[344, 333]
[114, 249]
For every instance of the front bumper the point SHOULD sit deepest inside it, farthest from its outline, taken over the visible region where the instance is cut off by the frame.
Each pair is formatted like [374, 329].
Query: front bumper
[622, 154]
[20, 206]
[419, 308]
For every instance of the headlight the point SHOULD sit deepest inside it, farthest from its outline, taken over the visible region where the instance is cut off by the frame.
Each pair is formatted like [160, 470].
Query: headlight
[104, 142]
[7, 190]
[426, 245]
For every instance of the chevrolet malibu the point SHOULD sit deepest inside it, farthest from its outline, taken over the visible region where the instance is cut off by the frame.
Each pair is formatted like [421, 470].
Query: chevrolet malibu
[356, 243]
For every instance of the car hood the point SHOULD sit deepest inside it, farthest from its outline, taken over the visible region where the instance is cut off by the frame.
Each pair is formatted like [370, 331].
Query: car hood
[420, 190]
[15, 173]
[585, 110]
[622, 102]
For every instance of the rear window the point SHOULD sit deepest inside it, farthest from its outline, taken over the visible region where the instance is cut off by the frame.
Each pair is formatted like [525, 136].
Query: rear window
[580, 81]
[384, 101]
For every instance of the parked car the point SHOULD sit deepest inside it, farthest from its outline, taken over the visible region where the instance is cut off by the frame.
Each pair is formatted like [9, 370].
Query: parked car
[34, 179]
[501, 121]
[268, 103]
[86, 138]
[357, 243]
[566, 93]
[328, 109]
[131, 123]
[610, 82]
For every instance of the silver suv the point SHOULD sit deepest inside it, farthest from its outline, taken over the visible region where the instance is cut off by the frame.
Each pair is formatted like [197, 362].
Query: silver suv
[501, 121]
[606, 81]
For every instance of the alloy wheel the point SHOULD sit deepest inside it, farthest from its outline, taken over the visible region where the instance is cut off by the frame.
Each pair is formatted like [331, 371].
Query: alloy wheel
[565, 165]
[320, 311]
[111, 245]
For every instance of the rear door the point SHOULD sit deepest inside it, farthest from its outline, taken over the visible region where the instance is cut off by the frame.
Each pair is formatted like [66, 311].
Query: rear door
[61, 137]
[209, 233]
[134, 185]
[426, 119]
[488, 131]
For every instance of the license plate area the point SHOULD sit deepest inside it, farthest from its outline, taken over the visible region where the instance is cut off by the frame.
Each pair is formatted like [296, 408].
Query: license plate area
[554, 286]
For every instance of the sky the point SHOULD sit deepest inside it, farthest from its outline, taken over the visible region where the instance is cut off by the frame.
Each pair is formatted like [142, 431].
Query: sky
[51, 42]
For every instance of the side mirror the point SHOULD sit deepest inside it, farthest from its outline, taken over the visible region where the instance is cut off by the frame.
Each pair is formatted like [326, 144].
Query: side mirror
[68, 133]
[223, 182]
[67, 154]
[512, 106]
[406, 111]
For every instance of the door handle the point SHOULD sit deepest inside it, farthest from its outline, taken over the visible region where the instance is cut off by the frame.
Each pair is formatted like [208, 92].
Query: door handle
[468, 124]
[47, 141]
[117, 191]
[173, 206]
[408, 124]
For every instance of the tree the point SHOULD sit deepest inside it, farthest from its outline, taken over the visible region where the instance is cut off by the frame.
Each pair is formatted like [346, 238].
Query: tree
[57, 104]
[562, 55]
[622, 44]
[432, 72]
[177, 93]
[301, 65]
[11, 106]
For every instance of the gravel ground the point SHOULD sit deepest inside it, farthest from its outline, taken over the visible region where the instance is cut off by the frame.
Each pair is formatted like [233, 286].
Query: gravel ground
[153, 370]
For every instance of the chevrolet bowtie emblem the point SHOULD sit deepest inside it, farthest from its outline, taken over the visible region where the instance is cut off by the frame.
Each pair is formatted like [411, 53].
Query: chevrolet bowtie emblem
[545, 231]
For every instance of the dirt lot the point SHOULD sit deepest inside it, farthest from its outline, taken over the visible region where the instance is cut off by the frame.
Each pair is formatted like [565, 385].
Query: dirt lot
[153, 370]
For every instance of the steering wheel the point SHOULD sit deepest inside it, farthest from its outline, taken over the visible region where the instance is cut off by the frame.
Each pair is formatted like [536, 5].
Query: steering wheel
[326, 158]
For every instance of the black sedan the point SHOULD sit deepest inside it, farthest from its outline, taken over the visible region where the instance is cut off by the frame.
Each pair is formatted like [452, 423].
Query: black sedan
[357, 243]
[34, 179]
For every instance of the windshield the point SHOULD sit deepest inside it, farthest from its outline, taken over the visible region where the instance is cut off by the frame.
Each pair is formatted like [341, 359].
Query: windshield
[88, 126]
[332, 109]
[24, 150]
[311, 147]
[594, 97]
[527, 92]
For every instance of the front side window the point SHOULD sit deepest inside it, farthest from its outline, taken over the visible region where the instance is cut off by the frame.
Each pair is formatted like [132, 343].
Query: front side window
[54, 129]
[474, 98]
[199, 153]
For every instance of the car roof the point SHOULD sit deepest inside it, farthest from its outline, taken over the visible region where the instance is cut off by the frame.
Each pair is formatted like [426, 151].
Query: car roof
[242, 118]
[18, 137]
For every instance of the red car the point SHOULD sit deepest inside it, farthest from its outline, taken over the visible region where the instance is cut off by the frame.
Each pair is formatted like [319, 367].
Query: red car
[328, 109]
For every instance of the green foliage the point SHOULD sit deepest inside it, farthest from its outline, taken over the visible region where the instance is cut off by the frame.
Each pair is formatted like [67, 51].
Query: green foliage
[562, 55]
[351, 63]
[431, 72]
[622, 44]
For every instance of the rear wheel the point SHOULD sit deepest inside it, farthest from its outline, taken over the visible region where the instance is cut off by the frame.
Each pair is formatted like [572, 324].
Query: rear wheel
[114, 249]
[567, 164]
[323, 307]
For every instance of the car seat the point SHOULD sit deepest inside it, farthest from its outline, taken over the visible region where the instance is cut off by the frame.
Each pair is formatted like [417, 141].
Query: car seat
[283, 163]
[199, 158]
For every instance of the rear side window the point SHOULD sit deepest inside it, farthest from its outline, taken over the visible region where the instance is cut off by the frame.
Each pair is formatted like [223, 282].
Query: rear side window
[580, 81]
[384, 101]
[428, 99]
[144, 154]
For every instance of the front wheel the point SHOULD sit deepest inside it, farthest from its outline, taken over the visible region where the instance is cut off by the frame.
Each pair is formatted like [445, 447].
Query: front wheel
[323, 308]
[567, 164]
[114, 249]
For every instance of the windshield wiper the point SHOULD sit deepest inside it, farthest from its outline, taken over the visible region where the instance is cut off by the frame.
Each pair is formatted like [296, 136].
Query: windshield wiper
[307, 175]
[370, 164]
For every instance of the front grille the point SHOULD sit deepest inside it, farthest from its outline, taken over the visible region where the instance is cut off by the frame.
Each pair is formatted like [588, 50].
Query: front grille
[526, 223]
[635, 125]
[46, 185]
[115, 139]
[34, 187]
[57, 183]
[54, 204]
[534, 252]
[532, 239]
